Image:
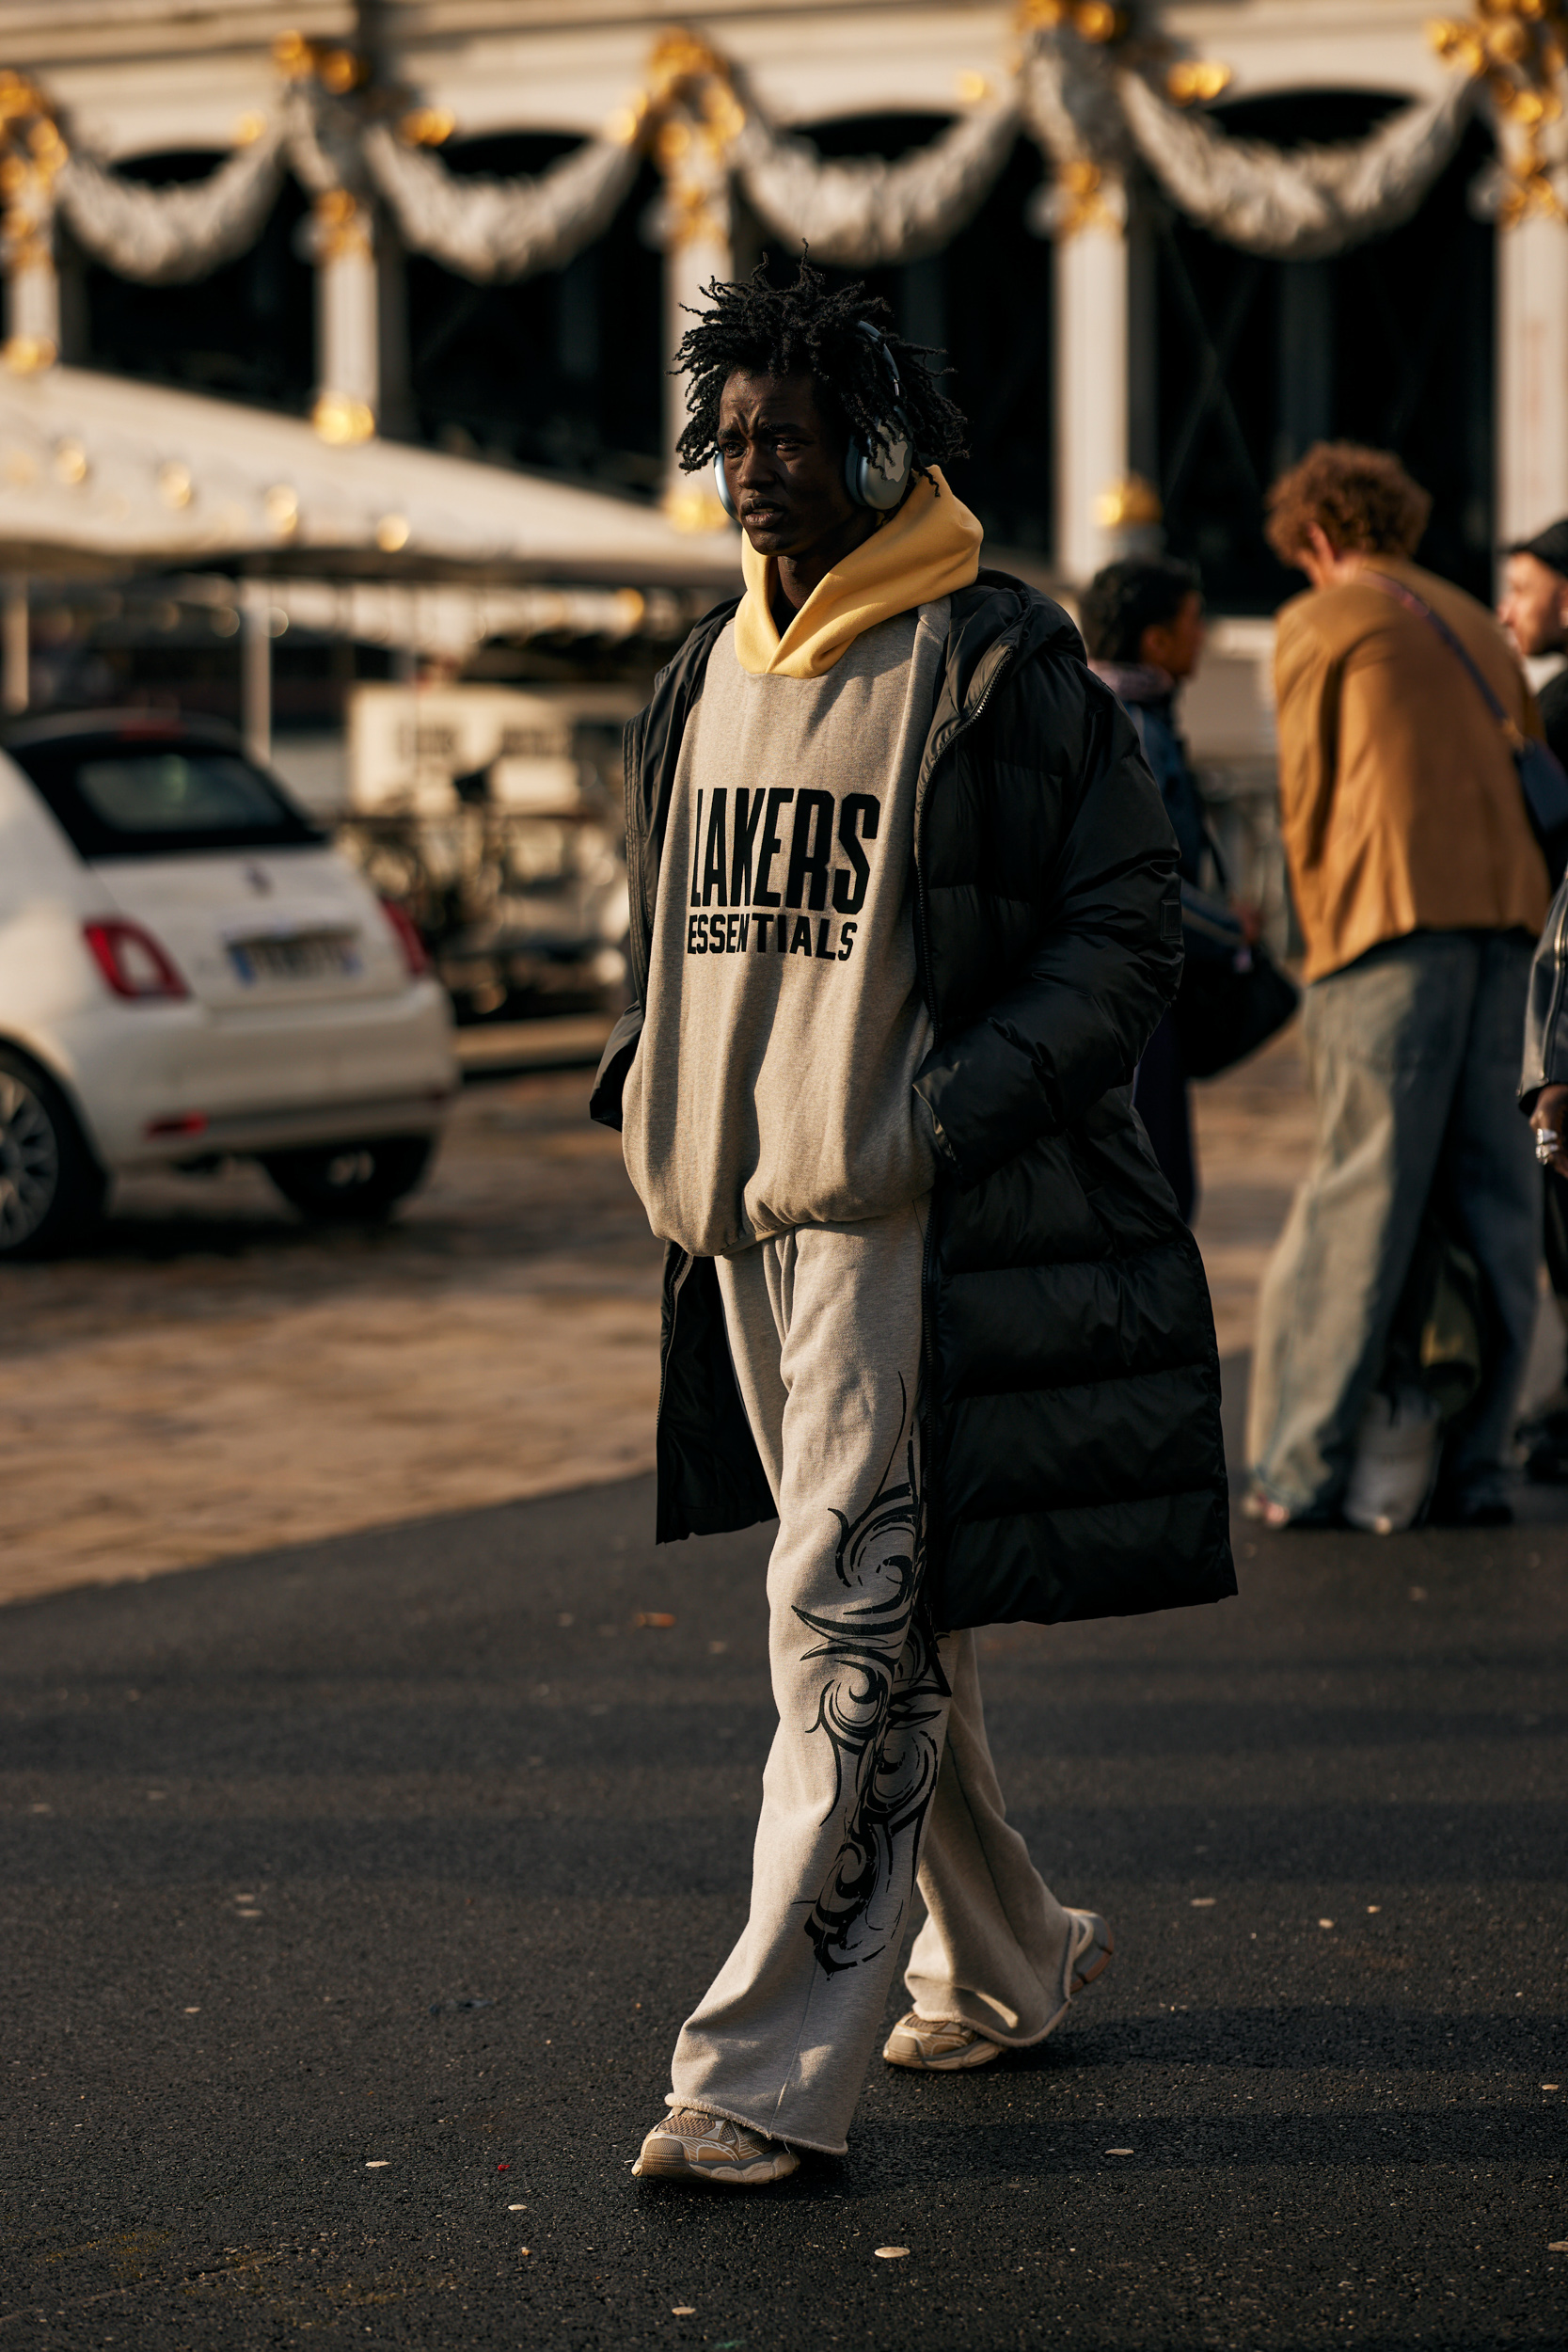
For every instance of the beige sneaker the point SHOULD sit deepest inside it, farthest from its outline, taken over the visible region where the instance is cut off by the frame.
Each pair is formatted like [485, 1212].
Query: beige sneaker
[690, 2146]
[942, 2045]
[937, 2046]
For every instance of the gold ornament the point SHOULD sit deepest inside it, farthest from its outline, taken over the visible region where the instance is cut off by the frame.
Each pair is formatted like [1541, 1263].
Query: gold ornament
[1127, 504]
[1197, 81]
[693, 506]
[340, 420]
[1518, 49]
[342, 228]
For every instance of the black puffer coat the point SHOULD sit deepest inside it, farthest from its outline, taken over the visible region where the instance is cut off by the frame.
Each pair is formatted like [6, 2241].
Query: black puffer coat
[1073, 1458]
[1545, 1062]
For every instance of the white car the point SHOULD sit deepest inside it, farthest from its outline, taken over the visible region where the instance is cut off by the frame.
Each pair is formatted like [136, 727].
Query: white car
[188, 969]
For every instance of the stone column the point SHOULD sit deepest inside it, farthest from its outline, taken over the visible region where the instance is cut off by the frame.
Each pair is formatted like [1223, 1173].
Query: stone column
[348, 333]
[1532, 376]
[690, 149]
[33, 154]
[1092, 413]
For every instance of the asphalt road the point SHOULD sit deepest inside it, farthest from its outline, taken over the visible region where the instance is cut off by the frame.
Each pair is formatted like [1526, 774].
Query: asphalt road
[352, 1896]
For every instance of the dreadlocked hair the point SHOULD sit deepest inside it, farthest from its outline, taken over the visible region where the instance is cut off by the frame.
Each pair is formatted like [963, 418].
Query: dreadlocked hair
[803, 329]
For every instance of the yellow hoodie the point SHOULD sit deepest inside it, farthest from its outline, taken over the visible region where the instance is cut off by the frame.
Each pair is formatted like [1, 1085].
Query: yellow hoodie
[928, 548]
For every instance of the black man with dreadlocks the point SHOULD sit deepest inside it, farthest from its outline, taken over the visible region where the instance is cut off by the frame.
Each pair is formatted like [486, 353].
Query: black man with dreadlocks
[905, 910]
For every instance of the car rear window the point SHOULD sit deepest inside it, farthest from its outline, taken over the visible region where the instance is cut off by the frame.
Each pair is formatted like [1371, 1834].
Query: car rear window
[130, 799]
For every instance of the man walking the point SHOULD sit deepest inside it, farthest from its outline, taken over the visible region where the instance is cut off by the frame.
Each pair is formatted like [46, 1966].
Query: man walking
[1421, 890]
[904, 912]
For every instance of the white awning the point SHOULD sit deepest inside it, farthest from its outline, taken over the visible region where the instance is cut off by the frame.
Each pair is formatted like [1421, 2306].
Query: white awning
[114, 471]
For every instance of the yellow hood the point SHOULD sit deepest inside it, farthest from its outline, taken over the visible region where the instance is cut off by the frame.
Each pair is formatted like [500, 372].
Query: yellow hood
[930, 546]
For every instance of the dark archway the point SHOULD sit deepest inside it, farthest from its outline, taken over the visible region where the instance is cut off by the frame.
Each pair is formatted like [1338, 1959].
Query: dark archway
[246, 332]
[986, 300]
[1391, 343]
[564, 370]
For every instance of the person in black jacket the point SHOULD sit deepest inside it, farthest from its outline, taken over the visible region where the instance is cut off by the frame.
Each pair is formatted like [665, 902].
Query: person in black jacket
[1143, 624]
[1533, 608]
[904, 912]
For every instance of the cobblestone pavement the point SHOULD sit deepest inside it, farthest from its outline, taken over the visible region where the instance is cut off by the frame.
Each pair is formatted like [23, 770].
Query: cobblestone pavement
[213, 1377]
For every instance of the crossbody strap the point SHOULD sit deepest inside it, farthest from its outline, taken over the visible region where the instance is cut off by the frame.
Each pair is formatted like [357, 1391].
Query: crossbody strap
[1413, 603]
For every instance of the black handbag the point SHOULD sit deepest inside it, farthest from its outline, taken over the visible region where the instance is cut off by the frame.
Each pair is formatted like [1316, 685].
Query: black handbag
[1227, 1006]
[1541, 777]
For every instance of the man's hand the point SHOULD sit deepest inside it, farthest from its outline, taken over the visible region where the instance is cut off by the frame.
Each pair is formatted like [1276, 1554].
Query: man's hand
[1250, 919]
[1551, 1117]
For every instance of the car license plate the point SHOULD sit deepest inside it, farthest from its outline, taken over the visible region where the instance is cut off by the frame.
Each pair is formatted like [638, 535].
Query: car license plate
[298, 956]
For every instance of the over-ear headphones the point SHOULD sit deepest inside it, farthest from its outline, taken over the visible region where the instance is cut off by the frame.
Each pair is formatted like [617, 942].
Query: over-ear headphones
[876, 477]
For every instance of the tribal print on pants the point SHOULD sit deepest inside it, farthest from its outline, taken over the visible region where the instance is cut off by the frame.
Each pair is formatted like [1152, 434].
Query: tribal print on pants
[882, 1708]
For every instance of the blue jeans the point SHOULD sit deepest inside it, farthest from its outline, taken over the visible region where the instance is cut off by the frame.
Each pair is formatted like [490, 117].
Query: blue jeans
[1413, 1058]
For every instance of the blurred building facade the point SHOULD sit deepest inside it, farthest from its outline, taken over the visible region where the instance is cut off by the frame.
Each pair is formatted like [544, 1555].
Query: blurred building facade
[387, 292]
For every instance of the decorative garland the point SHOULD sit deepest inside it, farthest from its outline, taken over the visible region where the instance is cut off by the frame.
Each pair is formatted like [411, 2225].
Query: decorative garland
[1091, 97]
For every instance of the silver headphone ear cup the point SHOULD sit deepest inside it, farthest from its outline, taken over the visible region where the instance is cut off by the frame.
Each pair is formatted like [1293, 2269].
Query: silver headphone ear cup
[722, 483]
[882, 484]
[857, 466]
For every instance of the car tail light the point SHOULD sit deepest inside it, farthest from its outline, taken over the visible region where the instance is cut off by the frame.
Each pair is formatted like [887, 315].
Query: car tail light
[132, 961]
[407, 937]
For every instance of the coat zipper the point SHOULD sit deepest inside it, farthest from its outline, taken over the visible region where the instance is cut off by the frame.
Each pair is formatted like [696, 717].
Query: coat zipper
[927, 1257]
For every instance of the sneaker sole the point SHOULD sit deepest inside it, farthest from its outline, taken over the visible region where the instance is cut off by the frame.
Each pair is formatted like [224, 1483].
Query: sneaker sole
[674, 2167]
[979, 2054]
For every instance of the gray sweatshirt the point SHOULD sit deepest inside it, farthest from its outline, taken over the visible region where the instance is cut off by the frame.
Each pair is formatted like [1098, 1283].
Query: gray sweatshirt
[784, 1023]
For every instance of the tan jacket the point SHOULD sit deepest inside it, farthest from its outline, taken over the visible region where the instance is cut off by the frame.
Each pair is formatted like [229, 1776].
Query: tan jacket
[1400, 801]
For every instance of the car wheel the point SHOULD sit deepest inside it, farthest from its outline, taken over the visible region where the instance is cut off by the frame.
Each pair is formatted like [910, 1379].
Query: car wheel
[350, 1182]
[50, 1187]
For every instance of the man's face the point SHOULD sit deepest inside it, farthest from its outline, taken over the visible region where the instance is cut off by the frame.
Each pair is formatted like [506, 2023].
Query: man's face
[784, 464]
[1533, 607]
[1176, 646]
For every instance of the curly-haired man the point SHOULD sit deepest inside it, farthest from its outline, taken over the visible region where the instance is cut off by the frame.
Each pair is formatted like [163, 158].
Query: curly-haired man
[1421, 890]
[904, 911]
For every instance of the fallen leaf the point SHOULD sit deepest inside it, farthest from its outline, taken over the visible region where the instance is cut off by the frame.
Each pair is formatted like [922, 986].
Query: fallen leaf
[658, 1618]
[1326, 1923]
[377, 2164]
[683, 2311]
[1203, 1902]
[1120, 2151]
[891, 2253]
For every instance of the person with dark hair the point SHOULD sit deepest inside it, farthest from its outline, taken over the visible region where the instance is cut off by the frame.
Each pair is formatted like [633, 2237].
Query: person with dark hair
[1533, 609]
[1421, 890]
[1143, 624]
[904, 912]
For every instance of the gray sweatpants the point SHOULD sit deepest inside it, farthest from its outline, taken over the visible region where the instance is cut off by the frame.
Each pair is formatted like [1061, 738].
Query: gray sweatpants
[1413, 1055]
[879, 1763]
